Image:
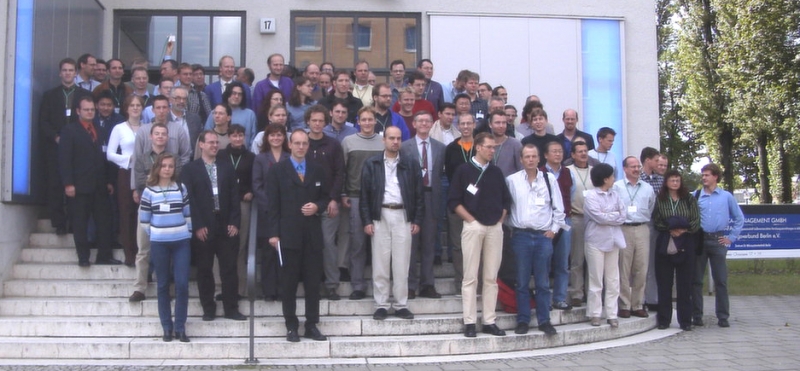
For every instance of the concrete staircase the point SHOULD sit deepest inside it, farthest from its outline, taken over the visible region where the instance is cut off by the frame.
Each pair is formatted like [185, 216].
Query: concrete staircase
[54, 309]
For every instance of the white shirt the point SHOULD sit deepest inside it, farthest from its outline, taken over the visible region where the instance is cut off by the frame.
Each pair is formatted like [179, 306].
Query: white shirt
[391, 194]
[605, 212]
[639, 200]
[122, 137]
[531, 205]
[605, 158]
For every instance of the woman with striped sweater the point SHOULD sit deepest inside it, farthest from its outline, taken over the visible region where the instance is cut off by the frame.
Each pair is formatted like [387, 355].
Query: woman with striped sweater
[164, 214]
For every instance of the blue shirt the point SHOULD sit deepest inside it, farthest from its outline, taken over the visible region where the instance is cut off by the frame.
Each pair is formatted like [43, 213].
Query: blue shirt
[300, 167]
[639, 195]
[718, 210]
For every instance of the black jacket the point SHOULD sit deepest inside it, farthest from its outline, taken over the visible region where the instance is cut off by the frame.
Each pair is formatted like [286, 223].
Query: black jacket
[286, 195]
[373, 185]
[201, 196]
[82, 162]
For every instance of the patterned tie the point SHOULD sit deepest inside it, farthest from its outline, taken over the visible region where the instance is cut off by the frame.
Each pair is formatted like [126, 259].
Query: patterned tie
[425, 177]
[299, 169]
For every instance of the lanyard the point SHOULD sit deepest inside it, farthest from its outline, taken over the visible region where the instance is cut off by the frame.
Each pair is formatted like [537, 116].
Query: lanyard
[66, 97]
[499, 148]
[674, 205]
[604, 157]
[638, 187]
[482, 169]
[463, 152]
[236, 163]
[582, 178]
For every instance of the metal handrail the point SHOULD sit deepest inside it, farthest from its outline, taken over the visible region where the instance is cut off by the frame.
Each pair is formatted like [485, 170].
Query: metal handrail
[251, 280]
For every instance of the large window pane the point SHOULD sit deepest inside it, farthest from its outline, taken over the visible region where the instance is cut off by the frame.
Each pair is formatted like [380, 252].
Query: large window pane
[145, 37]
[161, 27]
[336, 51]
[371, 40]
[307, 41]
[196, 40]
[400, 29]
[227, 38]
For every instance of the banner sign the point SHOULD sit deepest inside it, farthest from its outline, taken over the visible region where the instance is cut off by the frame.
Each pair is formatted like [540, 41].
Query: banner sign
[770, 231]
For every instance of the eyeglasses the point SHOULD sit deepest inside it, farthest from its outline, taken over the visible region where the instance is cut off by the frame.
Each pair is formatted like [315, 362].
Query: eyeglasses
[236, 93]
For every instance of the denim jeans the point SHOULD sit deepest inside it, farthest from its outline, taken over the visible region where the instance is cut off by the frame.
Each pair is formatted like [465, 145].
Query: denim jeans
[714, 253]
[561, 264]
[177, 255]
[533, 251]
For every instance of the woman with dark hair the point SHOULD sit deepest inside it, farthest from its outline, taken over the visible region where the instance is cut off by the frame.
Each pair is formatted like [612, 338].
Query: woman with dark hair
[605, 212]
[274, 149]
[273, 99]
[277, 115]
[234, 96]
[677, 219]
[164, 215]
[299, 102]
[122, 140]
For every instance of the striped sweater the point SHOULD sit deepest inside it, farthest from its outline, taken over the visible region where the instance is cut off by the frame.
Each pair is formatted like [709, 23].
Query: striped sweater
[164, 213]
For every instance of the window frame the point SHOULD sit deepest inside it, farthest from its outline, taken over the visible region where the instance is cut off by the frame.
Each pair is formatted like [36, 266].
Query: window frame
[179, 14]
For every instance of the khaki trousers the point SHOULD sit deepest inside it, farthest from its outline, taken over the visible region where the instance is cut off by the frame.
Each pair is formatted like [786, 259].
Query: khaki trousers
[480, 244]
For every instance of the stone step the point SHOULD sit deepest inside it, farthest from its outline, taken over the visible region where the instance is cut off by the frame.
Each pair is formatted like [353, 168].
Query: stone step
[60, 255]
[89, 307]
[123, 288]
[40, 239]
[334, 347]
[43, 226]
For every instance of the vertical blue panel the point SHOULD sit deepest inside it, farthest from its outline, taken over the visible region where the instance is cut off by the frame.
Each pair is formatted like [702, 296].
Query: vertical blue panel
[602, 80]
[23, 65]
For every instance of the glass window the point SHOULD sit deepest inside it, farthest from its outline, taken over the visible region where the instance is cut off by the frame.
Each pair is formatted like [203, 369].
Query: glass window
[201, 37]
[411, 39]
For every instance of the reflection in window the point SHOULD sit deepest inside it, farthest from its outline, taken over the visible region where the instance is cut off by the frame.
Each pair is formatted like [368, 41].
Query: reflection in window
[196, 37]
[363, 37]
[307, 35]
[411, 38]
[227, 37]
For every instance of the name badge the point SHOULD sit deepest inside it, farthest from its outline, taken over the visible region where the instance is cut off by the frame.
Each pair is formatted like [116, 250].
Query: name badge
[395, 180]
[424, 171]
[538, 201]
[116, 109]
[105, 149]
[472, 189]
[68, 112]
[318, 184]
[215, 191]
[632, 209]
[585, 193]
[164, 208]
[479, 115]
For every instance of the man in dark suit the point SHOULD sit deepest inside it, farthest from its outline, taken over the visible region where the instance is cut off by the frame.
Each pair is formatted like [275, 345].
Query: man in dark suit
[55, 112]
[227, 72]
[87, 182]
[429, 153]
[298, 194]
[214, 200]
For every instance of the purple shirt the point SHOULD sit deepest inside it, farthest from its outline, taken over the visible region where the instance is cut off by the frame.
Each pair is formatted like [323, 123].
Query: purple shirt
[285, 85]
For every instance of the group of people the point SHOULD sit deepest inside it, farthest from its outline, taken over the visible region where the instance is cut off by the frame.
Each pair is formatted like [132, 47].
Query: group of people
[337, 168]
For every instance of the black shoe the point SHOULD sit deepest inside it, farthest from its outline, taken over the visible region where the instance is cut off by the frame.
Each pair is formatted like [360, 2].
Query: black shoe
[493, 330]
[698, 322]
[404, 314]
[209, 316]
[662, 326]
[333, 296]
[357, 295]
[182, 337]
[686, 327]
[651, 307]
[344, 275]
[312, 332]
[84, 264]
[412, 294]
[469, 331]
[167, 336]
[547, 328]
[136, 297]
[562, 305]
[723, 323]
[437, 260]
[380, 314]
[61, 231]
[109, 261]
[522, 328]
[236, 316]
[429, 292]
[292, 336]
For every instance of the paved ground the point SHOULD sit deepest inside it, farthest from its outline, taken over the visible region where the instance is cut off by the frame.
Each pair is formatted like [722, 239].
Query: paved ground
[764, 335]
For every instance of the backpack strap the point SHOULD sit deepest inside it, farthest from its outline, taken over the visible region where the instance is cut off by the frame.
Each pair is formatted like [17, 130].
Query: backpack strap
[549, 189]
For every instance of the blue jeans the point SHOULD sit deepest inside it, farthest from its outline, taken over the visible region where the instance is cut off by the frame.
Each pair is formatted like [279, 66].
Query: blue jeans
[175, 254]
[714, 253]
[533, 251]
[561, 264]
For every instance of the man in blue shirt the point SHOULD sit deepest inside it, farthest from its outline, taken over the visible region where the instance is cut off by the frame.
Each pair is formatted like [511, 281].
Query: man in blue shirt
[722, 221]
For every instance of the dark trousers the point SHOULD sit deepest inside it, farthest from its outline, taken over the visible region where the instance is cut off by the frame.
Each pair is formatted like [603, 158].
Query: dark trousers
[269, 269]
[715, 255]
[225, 249]
[301, 264]
[55, 190]
[422, 249]
[127, 216]
[91, 205]
[681, 267]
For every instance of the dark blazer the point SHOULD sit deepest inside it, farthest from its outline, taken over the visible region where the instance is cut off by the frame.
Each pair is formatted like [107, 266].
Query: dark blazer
[262, 164]
[286, 195]
[82, 162]
[201, 196]
[373, 186]
[108, 124]
[52, 112]
[410, 149]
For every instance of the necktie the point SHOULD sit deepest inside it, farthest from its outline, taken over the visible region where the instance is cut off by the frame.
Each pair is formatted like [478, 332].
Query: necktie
[90, 128]
[425, 177]
[300, 172]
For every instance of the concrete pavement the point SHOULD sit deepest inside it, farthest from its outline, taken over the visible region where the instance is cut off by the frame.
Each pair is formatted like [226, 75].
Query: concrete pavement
[764, 335]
